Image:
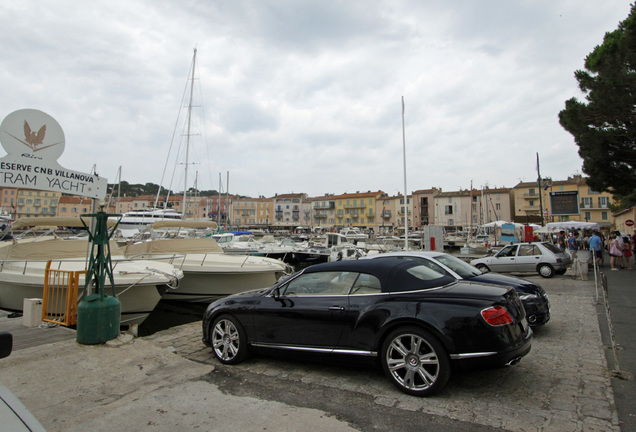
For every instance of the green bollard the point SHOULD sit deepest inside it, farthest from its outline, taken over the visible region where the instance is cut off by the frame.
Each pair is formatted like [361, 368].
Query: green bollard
[98, 319]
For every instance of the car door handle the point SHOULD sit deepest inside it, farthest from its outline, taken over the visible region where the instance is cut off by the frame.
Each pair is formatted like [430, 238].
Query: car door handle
[336, 308]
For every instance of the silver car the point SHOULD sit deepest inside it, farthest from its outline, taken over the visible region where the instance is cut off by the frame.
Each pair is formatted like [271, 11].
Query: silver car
[544, 258]
[14, 416]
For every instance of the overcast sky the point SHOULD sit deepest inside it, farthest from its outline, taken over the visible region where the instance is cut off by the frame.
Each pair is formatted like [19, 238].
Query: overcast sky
[305, 95]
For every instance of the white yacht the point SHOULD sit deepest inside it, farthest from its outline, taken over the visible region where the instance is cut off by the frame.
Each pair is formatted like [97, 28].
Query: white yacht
[209, 273]
[134, 221]
[139, 284]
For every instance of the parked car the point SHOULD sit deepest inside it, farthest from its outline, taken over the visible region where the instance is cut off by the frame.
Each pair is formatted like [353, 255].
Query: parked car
[544, 258]
[14, 416]
[535, 300]
[416, 321]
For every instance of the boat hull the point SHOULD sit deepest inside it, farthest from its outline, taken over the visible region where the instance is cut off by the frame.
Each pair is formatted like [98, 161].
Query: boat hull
[135, 307]
[206, 277]
[205, 287]
[138, 287]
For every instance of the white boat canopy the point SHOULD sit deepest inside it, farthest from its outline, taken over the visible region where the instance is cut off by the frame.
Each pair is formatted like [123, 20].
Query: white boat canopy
[73, 222]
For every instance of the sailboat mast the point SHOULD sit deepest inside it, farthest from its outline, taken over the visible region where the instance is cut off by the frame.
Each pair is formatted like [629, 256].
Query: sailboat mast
[406, 209]
[187, 160]
[227, 203]
[470, 233]
[540, 193]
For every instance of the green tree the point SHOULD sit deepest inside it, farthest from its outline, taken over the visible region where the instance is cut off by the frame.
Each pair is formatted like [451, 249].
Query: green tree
[604, 127]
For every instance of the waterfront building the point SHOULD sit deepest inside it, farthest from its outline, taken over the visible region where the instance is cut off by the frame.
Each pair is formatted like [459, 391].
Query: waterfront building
[356, 209]
[17, 203]
[493, 204]
[252, 213]
[624, 220]
[391, 214]
[453, 209]
[423, 207]
[323, 211]
[588, 205]
[218, 208]
[74, 206]
[287, 210]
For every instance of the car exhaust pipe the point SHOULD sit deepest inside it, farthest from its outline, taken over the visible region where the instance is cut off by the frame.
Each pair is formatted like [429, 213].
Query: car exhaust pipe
[514, 361]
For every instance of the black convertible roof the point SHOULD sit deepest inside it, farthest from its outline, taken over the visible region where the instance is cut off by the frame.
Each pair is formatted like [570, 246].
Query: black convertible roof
[392, 273]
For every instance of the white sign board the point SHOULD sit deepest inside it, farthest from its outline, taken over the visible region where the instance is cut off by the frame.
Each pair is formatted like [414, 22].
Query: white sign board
[34, 141]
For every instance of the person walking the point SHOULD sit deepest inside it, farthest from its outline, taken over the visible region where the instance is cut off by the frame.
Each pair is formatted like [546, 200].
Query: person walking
[561, 241]
[614, 250]
[620, 261]
[627, 253]
[573, 244]
[596, 247]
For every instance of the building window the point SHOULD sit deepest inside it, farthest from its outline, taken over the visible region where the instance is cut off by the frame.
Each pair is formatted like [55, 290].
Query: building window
[603, 202]
[448, 210]
[604, 216]
[498, 206]
[588, 216]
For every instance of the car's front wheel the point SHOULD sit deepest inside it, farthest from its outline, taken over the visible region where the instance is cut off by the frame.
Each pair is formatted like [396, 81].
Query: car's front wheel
[483, 267]
[415, 361]
[229, 340]
[545, 270]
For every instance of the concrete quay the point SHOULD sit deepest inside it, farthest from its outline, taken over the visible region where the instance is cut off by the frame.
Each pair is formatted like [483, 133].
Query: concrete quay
[170, 381]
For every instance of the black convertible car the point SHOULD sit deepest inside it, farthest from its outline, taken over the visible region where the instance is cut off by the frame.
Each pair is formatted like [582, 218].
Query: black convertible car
[416, 320]
[535, 300]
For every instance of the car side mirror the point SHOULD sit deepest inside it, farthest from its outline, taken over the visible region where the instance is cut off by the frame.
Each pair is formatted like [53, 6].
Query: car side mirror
[6, 344]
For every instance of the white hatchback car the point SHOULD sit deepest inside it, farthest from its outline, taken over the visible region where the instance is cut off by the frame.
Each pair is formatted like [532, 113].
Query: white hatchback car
[542, 257]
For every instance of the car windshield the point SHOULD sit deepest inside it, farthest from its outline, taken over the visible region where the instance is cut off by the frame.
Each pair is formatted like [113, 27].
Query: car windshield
[460, 267]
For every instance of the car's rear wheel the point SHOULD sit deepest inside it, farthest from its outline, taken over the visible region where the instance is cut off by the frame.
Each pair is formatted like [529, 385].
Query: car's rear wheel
[229, 340]
[545, 270]
[415, 361]
[483, 267]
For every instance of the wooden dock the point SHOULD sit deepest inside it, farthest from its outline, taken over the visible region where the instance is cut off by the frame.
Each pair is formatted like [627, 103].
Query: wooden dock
[27, 337]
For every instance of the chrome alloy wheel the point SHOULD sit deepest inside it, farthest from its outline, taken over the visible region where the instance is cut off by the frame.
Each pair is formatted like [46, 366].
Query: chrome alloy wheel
[225, 340]
[412, 362]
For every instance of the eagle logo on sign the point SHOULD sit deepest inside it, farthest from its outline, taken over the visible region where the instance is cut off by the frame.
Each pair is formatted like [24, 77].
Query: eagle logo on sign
[33, 139]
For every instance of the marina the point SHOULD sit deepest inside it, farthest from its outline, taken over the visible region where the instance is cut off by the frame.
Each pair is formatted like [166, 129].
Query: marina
[169, 378]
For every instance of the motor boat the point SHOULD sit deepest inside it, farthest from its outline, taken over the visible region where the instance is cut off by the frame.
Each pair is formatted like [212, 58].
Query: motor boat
[138, 284]
[209, 273]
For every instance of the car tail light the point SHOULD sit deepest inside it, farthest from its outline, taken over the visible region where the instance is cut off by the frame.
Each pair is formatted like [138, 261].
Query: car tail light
[496, 316]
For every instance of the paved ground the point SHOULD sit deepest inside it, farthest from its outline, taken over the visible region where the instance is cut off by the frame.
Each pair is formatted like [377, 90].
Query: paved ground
[564, 384]
[622, 309]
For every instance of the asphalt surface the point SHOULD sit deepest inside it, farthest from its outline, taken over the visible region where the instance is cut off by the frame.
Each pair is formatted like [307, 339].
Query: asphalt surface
[621, 348]
[170, 381]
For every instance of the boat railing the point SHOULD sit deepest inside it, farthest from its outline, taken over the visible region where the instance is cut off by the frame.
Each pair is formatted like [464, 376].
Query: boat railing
[173, 259]
[177, 259]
